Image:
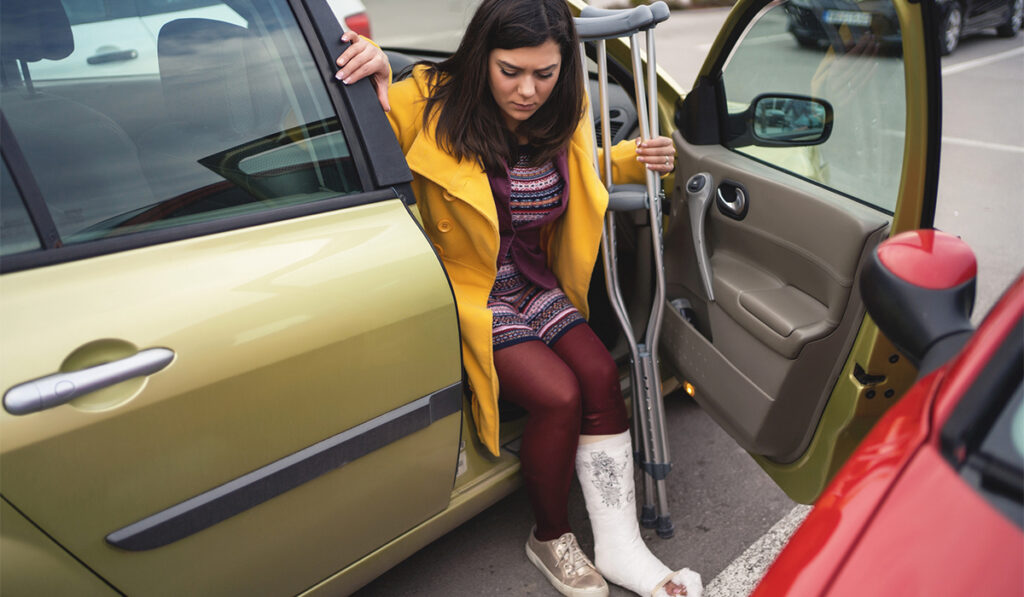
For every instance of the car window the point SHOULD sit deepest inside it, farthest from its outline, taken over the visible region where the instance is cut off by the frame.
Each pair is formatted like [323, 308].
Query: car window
[221, 113]
[16, 231]
[847, 54]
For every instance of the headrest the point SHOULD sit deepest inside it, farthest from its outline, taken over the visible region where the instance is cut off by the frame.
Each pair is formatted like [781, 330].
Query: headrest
[31, 30]
[217, 74]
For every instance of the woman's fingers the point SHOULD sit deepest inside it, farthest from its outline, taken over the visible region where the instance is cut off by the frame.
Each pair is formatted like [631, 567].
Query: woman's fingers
[363, 59]
[658, 154]
[356, 46]
[359, 60]
[382, 93]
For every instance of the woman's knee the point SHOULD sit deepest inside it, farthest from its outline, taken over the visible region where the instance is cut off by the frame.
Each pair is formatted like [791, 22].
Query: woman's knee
[603, 370]
[563, 401]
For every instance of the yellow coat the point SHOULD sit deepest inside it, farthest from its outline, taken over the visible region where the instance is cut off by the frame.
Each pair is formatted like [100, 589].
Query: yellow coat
[458, 213]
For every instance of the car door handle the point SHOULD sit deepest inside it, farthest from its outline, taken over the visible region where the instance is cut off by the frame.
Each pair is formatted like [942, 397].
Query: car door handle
[732, 200]
[115, 56]
[698, 198]
[61, 388]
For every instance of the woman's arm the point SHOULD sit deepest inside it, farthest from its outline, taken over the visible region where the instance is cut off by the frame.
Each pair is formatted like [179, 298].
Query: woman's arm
[361, 59]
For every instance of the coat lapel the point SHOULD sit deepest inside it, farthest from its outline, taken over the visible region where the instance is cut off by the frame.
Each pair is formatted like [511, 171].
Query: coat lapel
[463, 179]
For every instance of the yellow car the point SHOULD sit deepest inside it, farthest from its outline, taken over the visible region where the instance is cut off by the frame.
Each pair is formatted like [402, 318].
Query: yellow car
[229, 355]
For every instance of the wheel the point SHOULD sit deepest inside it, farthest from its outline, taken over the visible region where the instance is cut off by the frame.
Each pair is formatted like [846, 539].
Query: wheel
[952, 26]
[1013, 22]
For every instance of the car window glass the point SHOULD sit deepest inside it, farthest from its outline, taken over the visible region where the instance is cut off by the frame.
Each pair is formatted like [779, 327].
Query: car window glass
[187, 111]
[16, 231]
[847, 54]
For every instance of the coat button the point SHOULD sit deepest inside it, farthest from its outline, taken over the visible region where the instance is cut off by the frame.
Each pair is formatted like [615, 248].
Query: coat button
[444, 225]
[448, 196]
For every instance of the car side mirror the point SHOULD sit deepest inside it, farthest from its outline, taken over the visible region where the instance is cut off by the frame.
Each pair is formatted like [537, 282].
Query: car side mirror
[919, 288]
[782, 120]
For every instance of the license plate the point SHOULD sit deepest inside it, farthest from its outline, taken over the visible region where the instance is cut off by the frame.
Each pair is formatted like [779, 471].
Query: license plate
[848, 17]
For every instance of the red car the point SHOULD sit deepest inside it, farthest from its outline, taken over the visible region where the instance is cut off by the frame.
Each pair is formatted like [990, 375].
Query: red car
[931, 501]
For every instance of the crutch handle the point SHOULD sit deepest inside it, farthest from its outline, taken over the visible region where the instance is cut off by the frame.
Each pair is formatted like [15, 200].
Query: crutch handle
[618, 23]
[659, 11]
[627, 197]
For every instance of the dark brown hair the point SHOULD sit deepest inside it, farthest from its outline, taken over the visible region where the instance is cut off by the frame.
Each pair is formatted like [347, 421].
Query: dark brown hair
[470, 124]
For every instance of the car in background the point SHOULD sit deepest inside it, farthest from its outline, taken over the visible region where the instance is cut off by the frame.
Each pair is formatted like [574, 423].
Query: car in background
[840, 24]
[352, 15]
[115, 39]
[230, 357]
[933, 499]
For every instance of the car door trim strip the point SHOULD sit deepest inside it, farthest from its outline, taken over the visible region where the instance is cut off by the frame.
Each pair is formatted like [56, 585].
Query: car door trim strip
[25, 181]
[254, 488]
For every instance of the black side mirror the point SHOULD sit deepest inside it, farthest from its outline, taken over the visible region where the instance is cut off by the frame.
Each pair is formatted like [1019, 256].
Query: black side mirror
[919, 288]
[782, 120]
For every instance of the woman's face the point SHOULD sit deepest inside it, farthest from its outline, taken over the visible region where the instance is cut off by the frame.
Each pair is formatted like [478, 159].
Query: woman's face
[522, 79]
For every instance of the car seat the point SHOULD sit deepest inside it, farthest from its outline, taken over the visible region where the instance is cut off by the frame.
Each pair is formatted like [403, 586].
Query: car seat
[85, 165]
[221, 89]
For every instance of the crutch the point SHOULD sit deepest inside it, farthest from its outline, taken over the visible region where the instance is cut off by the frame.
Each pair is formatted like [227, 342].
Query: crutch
[597, 25]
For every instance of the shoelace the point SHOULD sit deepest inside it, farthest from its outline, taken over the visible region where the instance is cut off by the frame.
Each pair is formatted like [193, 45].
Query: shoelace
[573, 558]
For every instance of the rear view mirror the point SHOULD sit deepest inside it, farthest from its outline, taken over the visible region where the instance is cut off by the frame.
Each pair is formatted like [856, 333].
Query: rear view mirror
[801, 121]
[782, 120]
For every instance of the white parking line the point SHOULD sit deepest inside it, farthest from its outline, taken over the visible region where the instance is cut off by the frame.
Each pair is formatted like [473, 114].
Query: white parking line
[966, 142]
[983, 144]
[767, 39]
[741, 576]
[962, 66]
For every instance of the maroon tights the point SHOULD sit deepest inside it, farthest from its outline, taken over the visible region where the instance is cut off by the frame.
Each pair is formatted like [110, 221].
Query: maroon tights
[569, 389]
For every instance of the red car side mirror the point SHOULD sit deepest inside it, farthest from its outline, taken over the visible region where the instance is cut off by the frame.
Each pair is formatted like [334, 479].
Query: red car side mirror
[919, 288]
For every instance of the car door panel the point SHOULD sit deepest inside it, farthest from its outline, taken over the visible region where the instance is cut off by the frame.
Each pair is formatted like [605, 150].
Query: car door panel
[782, 279]
[284, 336]
[781, 356]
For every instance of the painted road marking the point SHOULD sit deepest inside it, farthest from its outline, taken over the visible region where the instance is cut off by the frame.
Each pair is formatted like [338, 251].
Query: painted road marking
[983, 144]
[962, 66]
[741, 576]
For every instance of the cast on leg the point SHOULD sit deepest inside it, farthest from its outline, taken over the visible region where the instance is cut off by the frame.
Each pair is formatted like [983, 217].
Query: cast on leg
[605, 470]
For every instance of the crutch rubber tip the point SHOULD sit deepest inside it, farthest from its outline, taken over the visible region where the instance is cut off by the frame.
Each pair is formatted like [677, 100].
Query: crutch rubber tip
[665, 528]
[648, 518]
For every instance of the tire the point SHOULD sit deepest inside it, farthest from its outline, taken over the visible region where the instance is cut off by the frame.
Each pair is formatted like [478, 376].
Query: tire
[952, 27]
[1013, 22]
[807, 42]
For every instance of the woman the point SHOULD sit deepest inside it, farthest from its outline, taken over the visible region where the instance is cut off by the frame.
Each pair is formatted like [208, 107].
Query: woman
[498, 142]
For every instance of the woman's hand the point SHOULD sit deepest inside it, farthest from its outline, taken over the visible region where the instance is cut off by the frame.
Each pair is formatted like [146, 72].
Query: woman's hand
[658, 154]
[362, 59]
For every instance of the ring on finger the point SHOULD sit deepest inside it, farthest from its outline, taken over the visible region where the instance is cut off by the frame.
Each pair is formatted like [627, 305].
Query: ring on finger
[668, 160]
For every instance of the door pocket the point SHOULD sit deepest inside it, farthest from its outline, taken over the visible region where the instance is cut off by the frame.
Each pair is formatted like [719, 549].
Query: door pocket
[781, 316]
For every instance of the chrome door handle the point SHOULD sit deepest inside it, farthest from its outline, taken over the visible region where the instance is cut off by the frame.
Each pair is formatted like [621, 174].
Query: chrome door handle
[737, 207]
[61, 388]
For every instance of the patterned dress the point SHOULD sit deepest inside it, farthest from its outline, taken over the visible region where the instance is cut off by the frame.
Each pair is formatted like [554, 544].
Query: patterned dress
[522, 310]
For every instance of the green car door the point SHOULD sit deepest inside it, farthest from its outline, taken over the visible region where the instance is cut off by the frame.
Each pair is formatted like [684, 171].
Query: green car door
[794, 163]
[229, 356]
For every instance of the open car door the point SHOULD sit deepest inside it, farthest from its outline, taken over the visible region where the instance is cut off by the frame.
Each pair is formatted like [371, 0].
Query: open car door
[807, 158]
